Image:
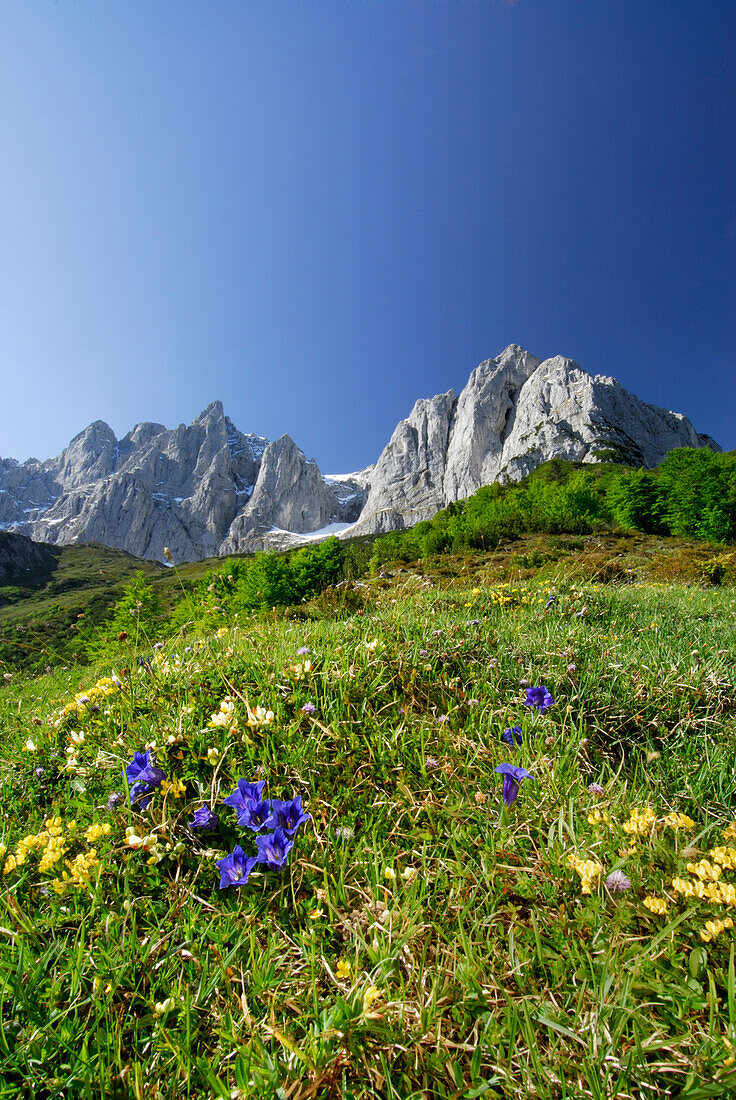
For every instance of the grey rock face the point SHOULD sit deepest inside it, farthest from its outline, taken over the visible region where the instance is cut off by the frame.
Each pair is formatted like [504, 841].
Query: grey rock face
[290, 495]
[407, 481]
[208, 489]
[515, 412]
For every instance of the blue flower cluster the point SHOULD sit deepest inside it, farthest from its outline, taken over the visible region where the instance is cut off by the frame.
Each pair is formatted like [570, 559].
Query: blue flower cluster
[537, 698]
[257, 814]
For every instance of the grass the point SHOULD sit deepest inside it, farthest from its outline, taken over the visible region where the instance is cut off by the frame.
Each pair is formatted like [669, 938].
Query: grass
[425, 940]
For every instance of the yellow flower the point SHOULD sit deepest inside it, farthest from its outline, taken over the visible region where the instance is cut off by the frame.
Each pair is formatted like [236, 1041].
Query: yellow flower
[640, 821]
[173, 787]
[96, 832]
[342, 970]
[599, 817]
[678, 821]
[213, 755]
[730, 831]
[587, 869]
[260, 717]
[389, 874]
[655, 905]
[371, 995]
[725, 856]
[714, 928]
[705, 870]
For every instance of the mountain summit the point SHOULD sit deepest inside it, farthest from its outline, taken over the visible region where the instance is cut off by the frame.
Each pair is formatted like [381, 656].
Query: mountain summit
[208, 489]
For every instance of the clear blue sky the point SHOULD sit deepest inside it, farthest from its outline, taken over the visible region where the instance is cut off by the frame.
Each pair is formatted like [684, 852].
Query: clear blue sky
[319, 211]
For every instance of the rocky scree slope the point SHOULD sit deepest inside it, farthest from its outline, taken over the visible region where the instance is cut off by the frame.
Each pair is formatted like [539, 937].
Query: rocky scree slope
[208, 489]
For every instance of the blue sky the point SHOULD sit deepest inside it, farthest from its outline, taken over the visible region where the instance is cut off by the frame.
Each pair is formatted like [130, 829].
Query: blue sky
[319, 211]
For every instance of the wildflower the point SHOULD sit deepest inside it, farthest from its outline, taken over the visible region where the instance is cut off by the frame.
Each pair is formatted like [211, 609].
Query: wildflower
[235, 869]
[213, 754]
[260, 717]
[548, 605]
[371, 646]
[273, 849]
[309, 708]
[173, 787]
[512, 777]
[714, 928]
[599, 817]
[513, 736]
[705, 870]
[204, 818]
[371, 994]
[224, 717]
[344, 832]
[167, 554]
[595, 788]
[255, 815]
[431, 763]
[730, 831]
[539, 699]
[114, 800]
[38, 772]
[725, 856]
[640, 821]
[588, 869]
[655, 905]
[389, 874]
[96, 832]
[287, 815]
[342, 970]
[678, 821]
[244, 791]
[302, 651]
[30, 745]
[617, 882]
[142, 769]
[443, 719]
[140, 795]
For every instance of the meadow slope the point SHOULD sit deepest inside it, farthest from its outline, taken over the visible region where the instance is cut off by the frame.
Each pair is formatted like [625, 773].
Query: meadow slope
[438, 929]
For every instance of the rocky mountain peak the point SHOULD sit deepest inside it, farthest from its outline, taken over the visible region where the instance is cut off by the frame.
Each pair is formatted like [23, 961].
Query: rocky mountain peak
[208, 488]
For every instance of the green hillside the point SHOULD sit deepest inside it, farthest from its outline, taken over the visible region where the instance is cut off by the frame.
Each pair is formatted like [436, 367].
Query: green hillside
[425, 935]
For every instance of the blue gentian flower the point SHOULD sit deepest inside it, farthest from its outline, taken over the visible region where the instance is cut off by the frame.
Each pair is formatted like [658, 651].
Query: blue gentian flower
[242, 793]
[287, 815]
[204, 818]
[513, 736]
[512, 777]
[273, 849]
[539, 699]
[143, 778]
[235, 868]
[254, 814]
[140, 795]
[142, 768]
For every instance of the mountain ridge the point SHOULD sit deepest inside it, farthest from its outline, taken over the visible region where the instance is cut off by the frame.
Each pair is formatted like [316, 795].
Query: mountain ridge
[208, 489]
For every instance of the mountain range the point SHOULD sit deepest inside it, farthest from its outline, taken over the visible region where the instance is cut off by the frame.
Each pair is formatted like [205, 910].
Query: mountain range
[208, 489]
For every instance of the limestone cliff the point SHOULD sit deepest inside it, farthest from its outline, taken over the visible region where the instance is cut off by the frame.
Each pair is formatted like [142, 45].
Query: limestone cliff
[207, 489]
